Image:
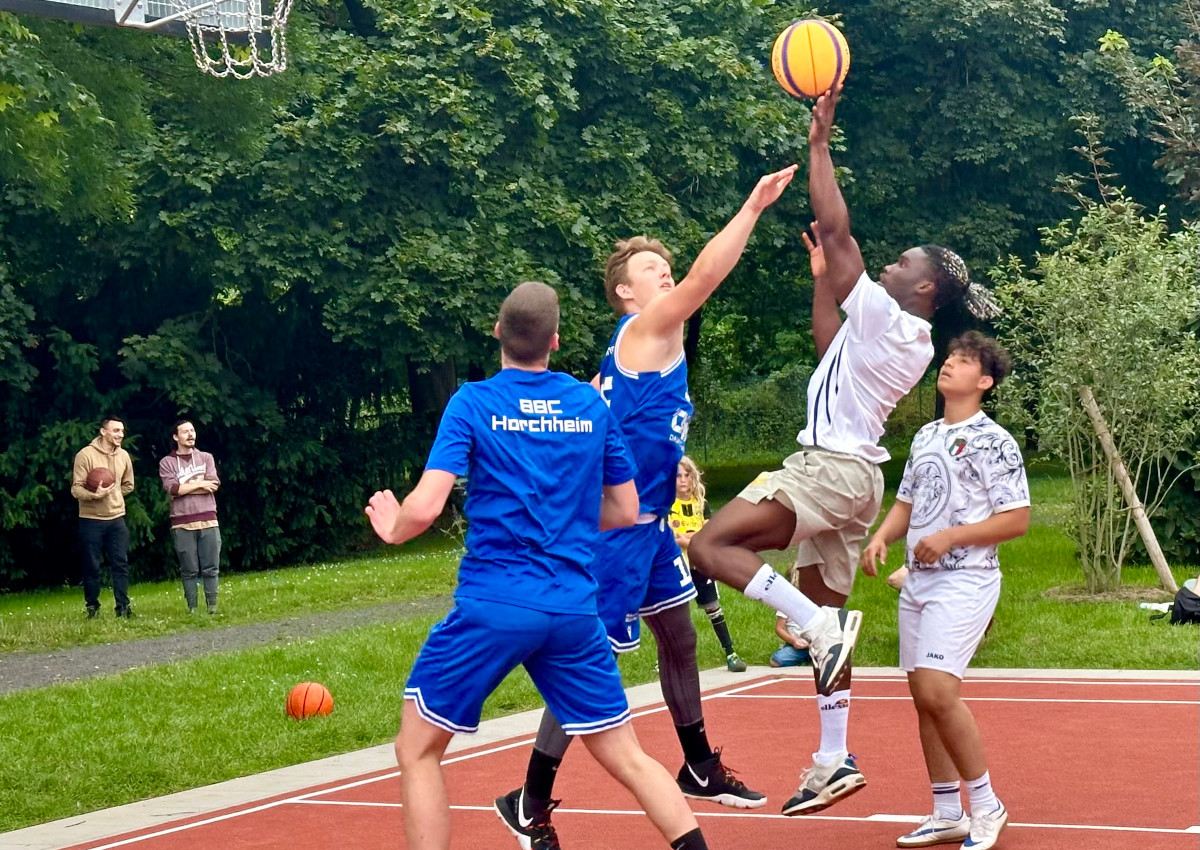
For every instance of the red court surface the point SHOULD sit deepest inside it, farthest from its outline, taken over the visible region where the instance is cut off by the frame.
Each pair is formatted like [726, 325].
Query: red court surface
[1080, 763]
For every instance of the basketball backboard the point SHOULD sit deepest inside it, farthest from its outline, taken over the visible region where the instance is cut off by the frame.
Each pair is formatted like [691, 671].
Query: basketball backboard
[229, 37]
[95, 12]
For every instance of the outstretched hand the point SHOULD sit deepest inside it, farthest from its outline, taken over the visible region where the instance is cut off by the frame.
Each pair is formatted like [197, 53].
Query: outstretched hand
[822, 116]
[816, 252]
[769, 188]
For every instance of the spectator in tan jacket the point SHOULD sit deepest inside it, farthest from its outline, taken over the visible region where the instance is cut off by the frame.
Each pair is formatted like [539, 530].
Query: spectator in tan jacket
[190, 478]
[102, 527]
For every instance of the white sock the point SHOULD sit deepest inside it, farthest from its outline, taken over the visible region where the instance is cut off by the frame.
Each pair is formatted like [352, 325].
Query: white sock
[776, 591]
[835, 718]
[947, 803]
[983, 798]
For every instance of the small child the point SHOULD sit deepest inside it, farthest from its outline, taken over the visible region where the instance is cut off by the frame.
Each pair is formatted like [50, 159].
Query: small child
[794, 652]
[688, 514]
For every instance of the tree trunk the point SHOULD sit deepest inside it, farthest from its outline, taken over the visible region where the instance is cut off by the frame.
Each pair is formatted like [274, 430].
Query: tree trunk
[430, 386]
[1131, 497]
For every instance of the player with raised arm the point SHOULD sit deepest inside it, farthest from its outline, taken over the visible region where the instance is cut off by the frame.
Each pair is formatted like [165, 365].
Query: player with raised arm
[964, 492]
[828, 494]
[639, 570]
[546, 469]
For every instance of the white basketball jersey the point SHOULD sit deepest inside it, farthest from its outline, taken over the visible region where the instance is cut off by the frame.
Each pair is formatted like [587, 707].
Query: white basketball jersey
[877, 356]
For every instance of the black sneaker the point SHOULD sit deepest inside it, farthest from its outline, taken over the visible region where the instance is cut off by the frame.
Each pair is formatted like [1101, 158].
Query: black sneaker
[93, 613]
[125, 613]
[710, 780]
[532, 830]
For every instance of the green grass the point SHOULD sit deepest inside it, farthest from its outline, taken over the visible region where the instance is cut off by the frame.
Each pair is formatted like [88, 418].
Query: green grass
[72, 748]
[51, 619]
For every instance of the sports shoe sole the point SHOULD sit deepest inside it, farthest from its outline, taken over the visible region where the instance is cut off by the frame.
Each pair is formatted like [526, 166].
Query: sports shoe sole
[524, 840]
[832, 793]
[733, 801]
[850, 628]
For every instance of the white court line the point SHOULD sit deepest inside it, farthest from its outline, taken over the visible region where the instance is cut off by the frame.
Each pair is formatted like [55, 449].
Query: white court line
[309, 797]
[971, 681]
[858, 698]
[876, 818]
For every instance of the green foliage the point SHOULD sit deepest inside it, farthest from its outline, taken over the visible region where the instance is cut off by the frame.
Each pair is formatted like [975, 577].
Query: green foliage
[54, 132]
[308, 265]
[751, 420]
[1176, 522]
[1168, 91]
[1109, 307]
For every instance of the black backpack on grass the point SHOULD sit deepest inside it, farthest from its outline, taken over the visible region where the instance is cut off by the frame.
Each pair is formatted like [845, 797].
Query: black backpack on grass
[1185, 608]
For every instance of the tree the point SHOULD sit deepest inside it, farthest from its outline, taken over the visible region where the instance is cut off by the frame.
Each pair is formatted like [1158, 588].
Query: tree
[1170, 92]
[1105, 319]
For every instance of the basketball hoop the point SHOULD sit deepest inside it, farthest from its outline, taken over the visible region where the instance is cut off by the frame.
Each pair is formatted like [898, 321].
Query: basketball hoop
[229, 38]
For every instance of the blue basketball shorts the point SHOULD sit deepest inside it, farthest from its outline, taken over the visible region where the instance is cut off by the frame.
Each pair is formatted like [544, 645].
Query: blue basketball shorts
[639, 570]
[469, 653]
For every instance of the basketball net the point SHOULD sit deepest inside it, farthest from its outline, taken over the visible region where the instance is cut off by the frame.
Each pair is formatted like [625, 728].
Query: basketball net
[229, 38]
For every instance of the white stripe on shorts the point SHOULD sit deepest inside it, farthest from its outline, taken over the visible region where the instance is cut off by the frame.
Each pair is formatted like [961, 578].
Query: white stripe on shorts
[597, 725]
[437, 720]
[687, 596]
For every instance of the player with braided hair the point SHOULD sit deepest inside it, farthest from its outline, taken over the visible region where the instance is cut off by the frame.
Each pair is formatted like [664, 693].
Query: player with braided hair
[952, 283]
[828, 494]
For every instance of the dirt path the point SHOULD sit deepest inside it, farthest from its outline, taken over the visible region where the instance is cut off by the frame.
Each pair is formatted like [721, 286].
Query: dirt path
[22, 670]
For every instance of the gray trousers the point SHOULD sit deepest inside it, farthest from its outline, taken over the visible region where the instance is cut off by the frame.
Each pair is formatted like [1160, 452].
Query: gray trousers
[199, 554]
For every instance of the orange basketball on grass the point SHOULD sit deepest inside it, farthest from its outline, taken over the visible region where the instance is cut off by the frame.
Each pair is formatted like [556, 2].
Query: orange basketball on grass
[809, 58]
[309, 699]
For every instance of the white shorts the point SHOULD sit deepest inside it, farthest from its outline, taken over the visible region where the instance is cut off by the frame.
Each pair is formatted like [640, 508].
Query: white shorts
[943, 616]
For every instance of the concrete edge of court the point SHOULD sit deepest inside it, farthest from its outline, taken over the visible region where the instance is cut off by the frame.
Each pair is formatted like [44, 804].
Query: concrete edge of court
[158, 811]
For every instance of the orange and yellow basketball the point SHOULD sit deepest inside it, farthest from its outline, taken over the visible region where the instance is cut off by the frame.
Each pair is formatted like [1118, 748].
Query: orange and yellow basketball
[309, 699]
[809, 58]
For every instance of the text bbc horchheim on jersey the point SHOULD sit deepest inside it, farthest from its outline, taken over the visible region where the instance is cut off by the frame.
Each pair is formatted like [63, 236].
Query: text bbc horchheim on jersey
[549, 419]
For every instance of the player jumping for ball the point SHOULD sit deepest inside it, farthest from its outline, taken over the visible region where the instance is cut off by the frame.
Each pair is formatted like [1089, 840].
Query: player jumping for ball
[640, 570]
[964, 491]
[546, 469]
[828, 494]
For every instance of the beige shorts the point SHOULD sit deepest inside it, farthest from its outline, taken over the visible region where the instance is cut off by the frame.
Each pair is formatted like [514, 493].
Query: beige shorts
[836, 498]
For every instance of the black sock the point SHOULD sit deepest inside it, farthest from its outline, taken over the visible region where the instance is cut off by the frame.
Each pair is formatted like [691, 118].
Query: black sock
[695, 743]
[693, 840]
[717, 618]
[540, 776]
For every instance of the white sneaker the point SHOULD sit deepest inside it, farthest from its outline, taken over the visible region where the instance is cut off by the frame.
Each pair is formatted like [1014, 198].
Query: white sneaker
[935, 830]
[822, 785]
[831, 638]
[986, 828]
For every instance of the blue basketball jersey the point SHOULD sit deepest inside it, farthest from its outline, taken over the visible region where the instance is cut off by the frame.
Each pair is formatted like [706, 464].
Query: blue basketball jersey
[536, 447]
[653, 409]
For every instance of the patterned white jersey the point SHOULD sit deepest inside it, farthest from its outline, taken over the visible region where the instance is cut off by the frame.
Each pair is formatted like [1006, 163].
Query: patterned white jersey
[958, 475]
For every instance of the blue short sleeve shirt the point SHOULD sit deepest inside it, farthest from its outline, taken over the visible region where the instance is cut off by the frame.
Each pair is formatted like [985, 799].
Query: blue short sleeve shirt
[537, 448]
